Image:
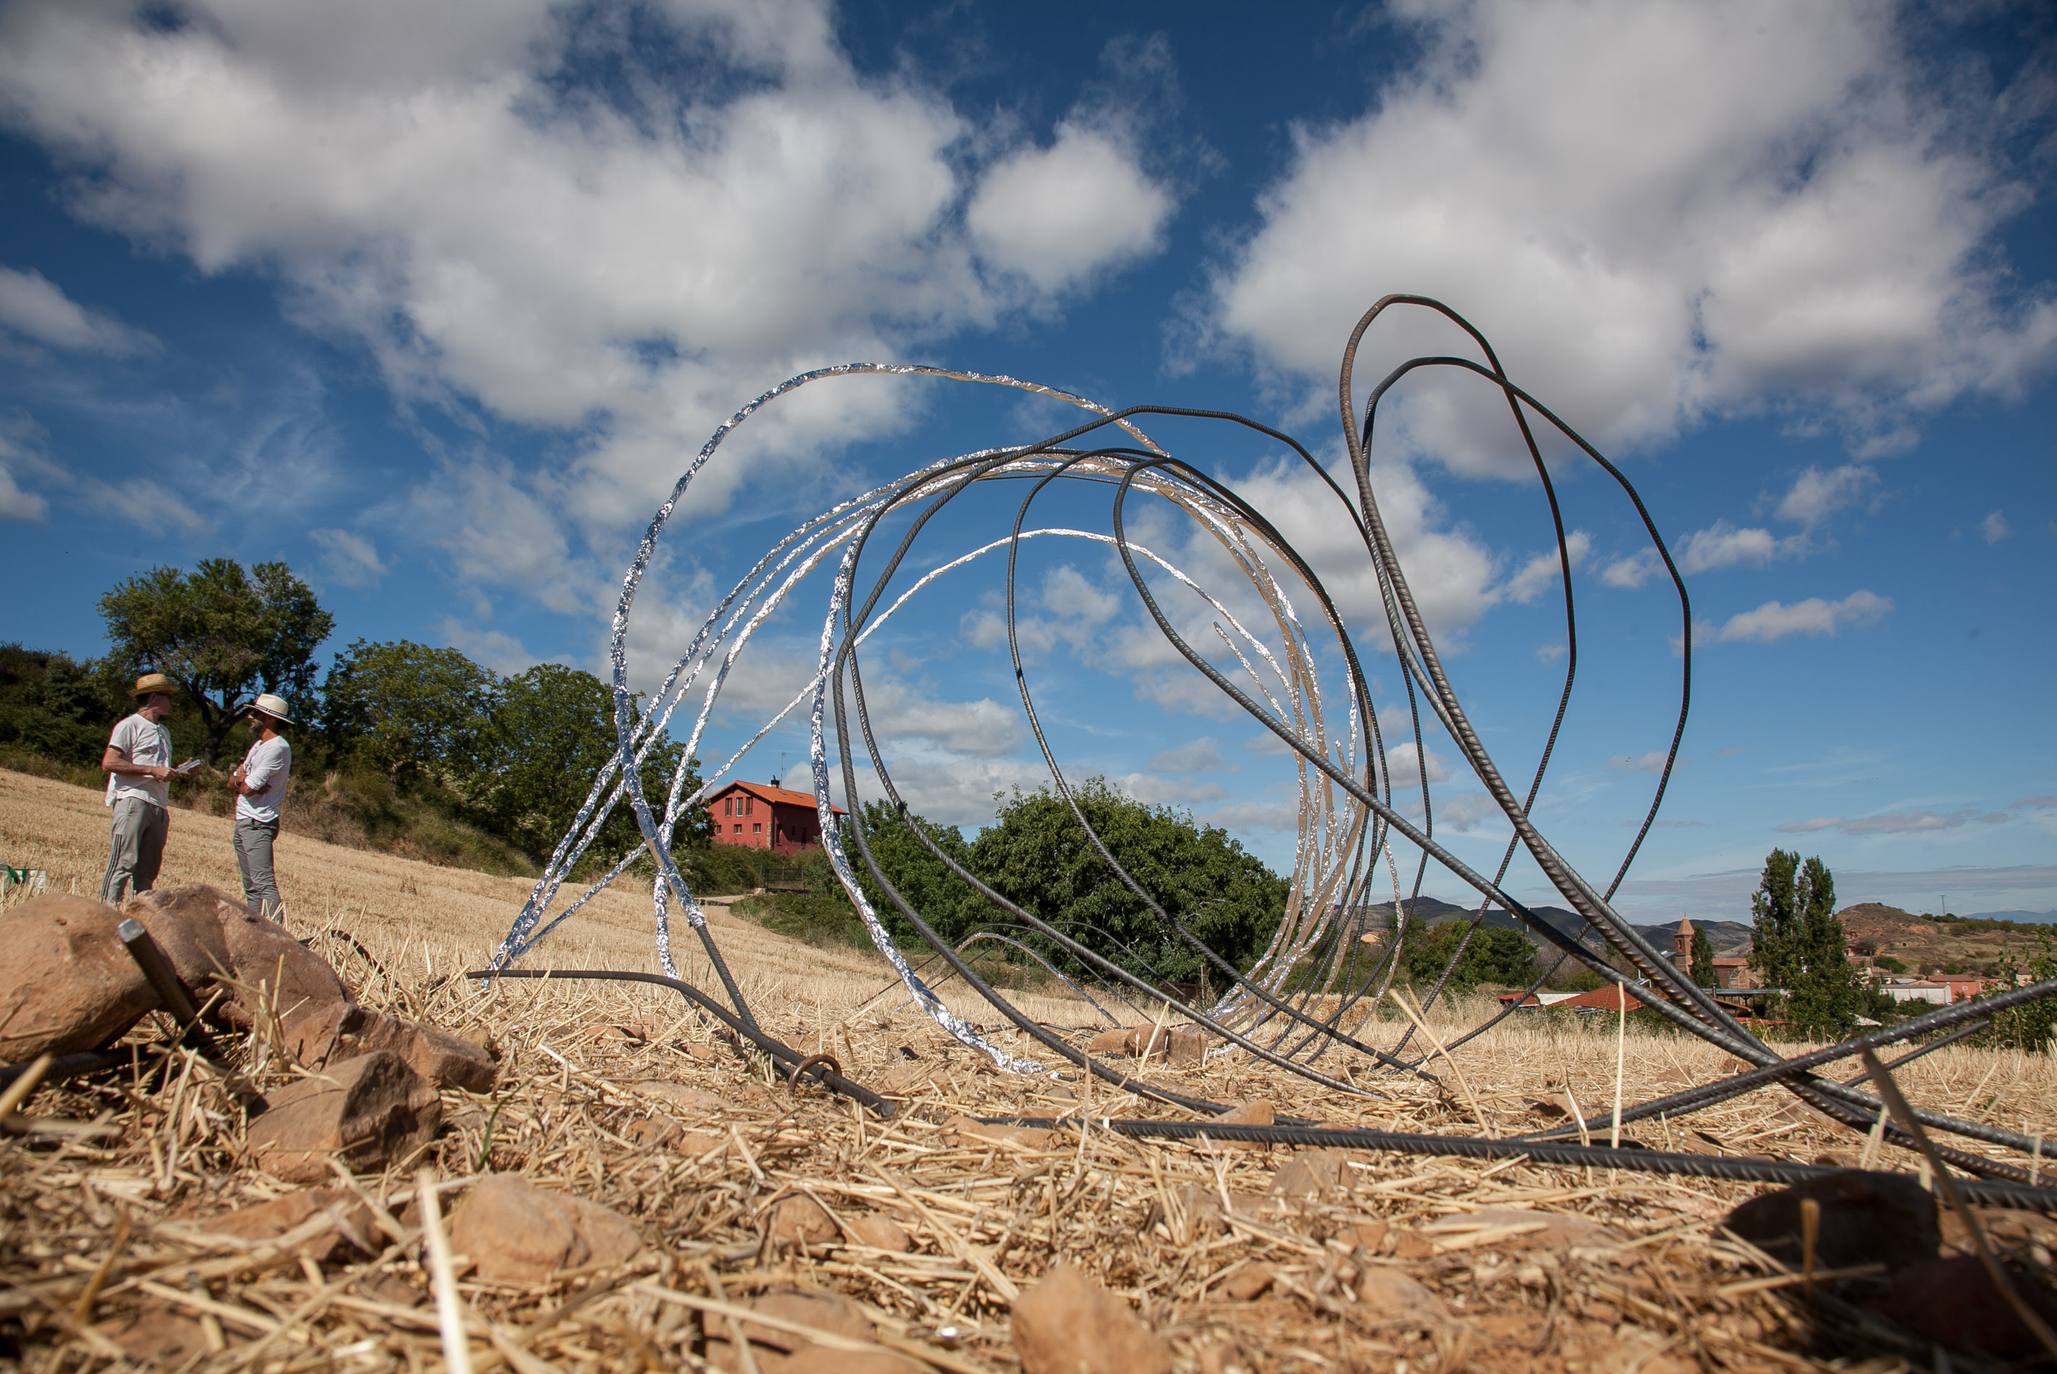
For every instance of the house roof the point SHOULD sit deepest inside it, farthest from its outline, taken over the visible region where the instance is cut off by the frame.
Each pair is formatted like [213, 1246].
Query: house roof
[782, 796]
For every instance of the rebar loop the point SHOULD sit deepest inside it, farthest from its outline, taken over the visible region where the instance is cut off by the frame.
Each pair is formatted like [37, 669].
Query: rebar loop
[1281, 651]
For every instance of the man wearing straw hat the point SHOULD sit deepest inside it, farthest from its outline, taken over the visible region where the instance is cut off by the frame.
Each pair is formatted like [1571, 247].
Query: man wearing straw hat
[259, 783]
[137, 762]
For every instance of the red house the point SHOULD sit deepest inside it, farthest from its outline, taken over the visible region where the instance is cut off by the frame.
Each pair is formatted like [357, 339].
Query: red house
[766, 816]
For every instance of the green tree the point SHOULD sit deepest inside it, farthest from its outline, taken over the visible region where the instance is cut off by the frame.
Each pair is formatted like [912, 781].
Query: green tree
[409, 711]
[1702, 969]
[2030, 1026]
[54, 706]
[1037, 856]
[1494, 954]
[1797, 944]
[224, 634]
[550, 733]
[949, 904]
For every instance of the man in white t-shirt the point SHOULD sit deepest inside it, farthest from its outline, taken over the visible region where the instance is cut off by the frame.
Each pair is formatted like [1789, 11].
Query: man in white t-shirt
[259, 783]
[137, 762]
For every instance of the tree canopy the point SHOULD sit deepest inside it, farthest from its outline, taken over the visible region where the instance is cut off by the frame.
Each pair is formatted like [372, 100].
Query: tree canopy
[1037, 855]
[1797, 944]
[1702, 967]
[409, 710]
[550, 731]
[223, 634]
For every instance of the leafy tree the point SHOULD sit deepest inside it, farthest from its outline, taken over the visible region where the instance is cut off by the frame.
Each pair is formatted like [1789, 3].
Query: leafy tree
[1038, 857]
[408, 710]
[2031, 1026]
[1702, 968]
[222, 633]
[949, 904]
[1494, 954]
[55, 706]
[1797, 943]
[550, 733]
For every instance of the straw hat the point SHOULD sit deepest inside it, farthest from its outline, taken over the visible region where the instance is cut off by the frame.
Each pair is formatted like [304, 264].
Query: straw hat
[150, 683]
[271, 705]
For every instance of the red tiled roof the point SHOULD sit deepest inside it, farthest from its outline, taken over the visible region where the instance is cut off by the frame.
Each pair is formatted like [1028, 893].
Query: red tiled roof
[1610, 998]
[784, 796]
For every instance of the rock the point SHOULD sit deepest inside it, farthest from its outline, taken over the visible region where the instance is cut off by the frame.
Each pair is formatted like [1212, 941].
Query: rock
[697, 1103]
[1179, 1044]
[1511, 1229]
[654, 1134]
[335, 1031]
[879, 1232]
[275, 972]
[1119, 1041]
[1256, 1112]
[1865, 1217]
[1248, 1282]
[515, 1232]
[1387, 1295]
[1068, 1324]
[1952, 1302]
[773, 1350]
[156, 1337]
[1312, 1173]
[820, 1359]
[369, 1112]
[350, 1229]
[798, 1219]
[965, 1130]
[186, 924]
[67, 982]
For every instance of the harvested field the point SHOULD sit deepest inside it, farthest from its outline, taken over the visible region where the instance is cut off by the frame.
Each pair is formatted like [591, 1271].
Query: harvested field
[1237, 1258]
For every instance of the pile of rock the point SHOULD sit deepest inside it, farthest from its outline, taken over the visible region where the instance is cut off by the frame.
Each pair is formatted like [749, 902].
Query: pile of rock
[68, 984]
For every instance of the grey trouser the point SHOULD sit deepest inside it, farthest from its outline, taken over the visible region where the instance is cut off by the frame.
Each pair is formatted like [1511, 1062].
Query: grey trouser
[253, 857]
[137, 851]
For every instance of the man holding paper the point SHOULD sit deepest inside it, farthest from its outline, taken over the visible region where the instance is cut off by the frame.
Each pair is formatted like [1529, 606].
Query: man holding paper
[137, 762]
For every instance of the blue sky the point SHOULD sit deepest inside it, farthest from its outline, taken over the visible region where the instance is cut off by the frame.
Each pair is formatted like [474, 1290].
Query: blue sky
[436, 302]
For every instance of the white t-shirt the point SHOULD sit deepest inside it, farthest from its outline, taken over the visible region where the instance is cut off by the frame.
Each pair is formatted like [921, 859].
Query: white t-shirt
[265, 769]
[146, 742]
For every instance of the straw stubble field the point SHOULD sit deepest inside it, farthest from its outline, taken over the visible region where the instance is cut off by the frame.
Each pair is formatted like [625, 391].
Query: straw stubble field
[1238, 1258]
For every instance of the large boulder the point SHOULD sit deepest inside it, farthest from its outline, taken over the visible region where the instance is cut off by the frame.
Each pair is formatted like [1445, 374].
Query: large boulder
[515, 1232]
[211, 939]
[67, 981]
[368, 1113]
[186, 924]
[337, 1031]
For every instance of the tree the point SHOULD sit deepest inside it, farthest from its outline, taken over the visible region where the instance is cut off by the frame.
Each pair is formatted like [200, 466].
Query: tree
[223, 634]
[55, 706]
[409, 711]
[1037, 856]
[951, 906]
[1797, 944]
[551, 731]
[1494, 954]
[1702, 970]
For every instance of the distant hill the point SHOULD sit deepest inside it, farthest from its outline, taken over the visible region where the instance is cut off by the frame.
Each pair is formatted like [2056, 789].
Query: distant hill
[1727, 937]
[1939, 944]
[2032, 918]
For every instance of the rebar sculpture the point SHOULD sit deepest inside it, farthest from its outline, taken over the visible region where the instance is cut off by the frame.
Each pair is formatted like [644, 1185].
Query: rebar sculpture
[1351, 820]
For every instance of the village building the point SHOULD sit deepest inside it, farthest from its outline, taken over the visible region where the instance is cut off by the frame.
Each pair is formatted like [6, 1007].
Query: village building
[760, 815]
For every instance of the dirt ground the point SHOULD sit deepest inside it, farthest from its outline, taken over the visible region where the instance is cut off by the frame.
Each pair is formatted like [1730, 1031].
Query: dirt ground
[1237, 1258]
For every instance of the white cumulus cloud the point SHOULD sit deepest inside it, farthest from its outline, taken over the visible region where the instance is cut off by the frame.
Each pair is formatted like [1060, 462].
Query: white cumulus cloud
[1994, 527]
[1646, 237]
[1814, 616]
[1060, 213]
[1818, 493]
[35, 307]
